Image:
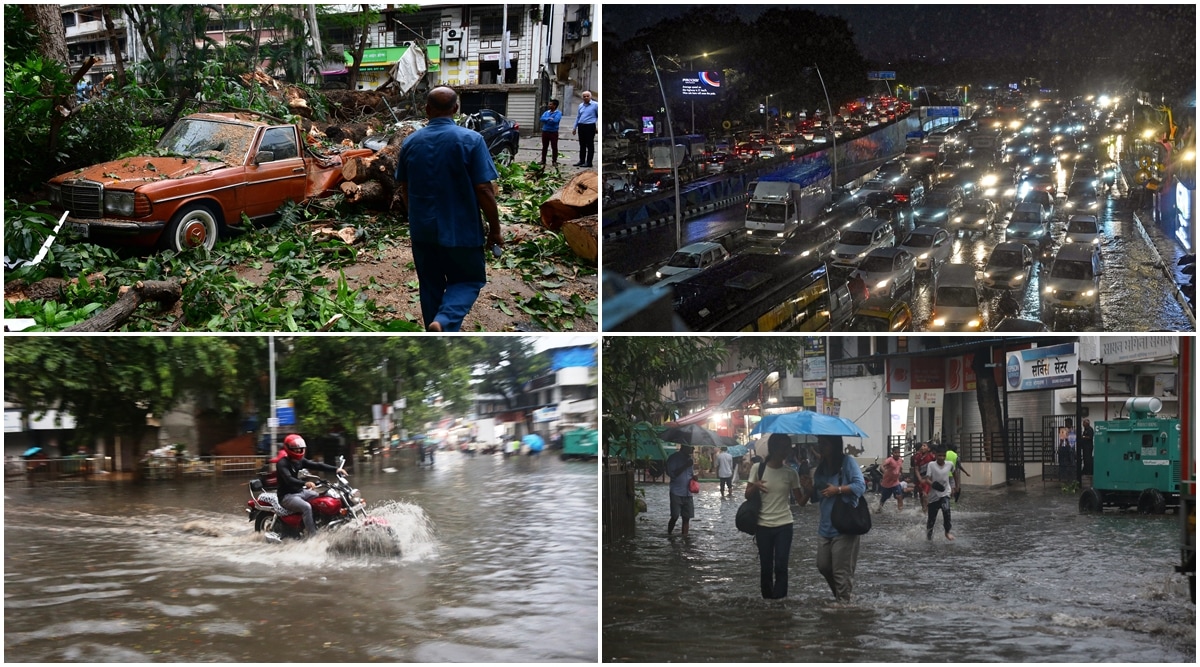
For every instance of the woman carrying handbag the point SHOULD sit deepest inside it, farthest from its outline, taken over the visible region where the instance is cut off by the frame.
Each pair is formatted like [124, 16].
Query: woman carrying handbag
[837, 479]
[774, 535]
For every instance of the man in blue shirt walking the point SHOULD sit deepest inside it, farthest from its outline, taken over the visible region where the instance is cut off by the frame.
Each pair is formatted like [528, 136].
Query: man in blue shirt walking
[585, 125]
[445, 175]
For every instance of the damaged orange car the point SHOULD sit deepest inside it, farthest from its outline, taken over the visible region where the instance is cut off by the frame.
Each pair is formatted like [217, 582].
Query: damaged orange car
[207, 170]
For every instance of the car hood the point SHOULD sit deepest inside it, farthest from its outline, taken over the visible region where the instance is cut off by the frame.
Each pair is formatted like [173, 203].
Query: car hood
[130, 173]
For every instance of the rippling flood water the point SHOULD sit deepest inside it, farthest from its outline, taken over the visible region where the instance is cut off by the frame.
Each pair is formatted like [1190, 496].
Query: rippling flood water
[499, 564]
[1028, 579]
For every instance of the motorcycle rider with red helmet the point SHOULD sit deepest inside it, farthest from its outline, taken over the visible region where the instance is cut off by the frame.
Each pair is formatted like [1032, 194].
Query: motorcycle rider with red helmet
[294, 494]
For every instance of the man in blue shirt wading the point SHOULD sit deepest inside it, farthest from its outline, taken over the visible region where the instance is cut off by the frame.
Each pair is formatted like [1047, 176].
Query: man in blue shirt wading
[445, 175]
[585, 125]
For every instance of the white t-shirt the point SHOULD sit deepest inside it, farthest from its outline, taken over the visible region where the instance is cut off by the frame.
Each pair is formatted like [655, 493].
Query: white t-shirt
[779, 482]
[724, 464]
[939, 474]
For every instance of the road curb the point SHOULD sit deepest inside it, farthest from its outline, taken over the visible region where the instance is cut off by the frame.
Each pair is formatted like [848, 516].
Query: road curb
[1162, 263]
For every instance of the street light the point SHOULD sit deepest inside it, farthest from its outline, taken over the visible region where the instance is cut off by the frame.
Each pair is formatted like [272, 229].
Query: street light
[671, 150]
[832, 134]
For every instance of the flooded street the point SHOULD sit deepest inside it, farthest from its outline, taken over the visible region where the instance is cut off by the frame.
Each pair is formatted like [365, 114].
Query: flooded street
[1027, 580]
[499, 564]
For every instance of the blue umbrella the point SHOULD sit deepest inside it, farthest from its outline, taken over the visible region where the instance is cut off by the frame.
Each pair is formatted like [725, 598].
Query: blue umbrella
[31, 451]
[534, 441]
[808, 423]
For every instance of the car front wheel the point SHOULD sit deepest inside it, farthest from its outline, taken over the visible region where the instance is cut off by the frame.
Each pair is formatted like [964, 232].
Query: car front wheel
[506, 156]
[192, 227]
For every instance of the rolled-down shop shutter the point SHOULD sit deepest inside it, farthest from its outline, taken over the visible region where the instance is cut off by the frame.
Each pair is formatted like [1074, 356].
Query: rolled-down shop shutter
[522, 109]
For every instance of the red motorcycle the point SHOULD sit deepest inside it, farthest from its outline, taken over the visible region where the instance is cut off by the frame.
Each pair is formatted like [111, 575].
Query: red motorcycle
[338, 503]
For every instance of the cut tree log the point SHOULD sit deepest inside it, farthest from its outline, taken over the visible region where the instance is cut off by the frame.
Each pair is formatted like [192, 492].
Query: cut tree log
[165, 292]
[582, 190]
[357, 169]
[574, 199]
[581, 235]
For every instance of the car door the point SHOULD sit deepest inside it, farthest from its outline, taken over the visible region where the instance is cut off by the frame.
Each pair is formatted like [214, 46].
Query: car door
[270, 183]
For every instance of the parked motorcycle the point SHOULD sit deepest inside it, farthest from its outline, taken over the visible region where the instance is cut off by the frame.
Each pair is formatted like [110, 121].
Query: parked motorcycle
[873, 476]
[338, 503]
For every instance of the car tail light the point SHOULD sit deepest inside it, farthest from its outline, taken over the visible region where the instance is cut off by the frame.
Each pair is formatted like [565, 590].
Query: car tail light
[516, 126]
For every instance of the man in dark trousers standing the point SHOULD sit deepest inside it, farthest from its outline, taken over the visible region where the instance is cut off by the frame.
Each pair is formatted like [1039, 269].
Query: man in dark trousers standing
[585, 125]
[445, 175]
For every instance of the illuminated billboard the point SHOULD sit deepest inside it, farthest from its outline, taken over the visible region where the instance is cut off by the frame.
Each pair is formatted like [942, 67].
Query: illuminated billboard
[700, 84]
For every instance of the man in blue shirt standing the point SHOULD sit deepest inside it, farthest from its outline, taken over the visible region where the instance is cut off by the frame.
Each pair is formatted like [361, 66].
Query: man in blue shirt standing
[551, 117]
[585, 125]
[445, 175]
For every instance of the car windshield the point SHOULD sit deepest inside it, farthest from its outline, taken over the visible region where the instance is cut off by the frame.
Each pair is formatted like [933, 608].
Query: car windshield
[685, 260]
[869, 323]
[1072, 270]
[856, 238]
[1005, 258]
[937, 199]
[957, 297]
[195, 137]
[975, 207]
[1080, 189]
[1081, 227]
[876, 264]
[919, 241]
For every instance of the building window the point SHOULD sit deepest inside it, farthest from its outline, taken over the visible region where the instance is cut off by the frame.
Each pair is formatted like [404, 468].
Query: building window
[491, 22]
[69, 20]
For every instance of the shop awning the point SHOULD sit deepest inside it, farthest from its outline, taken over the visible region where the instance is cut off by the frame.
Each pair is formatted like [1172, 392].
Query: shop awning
[733, 401]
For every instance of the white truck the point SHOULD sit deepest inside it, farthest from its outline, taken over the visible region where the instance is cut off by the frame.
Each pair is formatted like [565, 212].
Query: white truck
[778, 208]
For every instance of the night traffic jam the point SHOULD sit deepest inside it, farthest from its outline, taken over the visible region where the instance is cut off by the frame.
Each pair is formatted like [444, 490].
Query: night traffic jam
[987, 202]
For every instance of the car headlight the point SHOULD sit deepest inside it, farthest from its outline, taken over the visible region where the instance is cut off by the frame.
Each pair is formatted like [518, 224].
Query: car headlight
[924, 255]
[1096, 241]
[779, 234]
[987, 275]
[863, 253]
[958, 218]
[974, 324]
[939, 322]
[749, 231]
[118, 203]
[881, 284]
[54, 194]
[1068, 240]
[1070, 204]
[1018, 278]
[1090, 292]
[1049, 290]
[658, 274]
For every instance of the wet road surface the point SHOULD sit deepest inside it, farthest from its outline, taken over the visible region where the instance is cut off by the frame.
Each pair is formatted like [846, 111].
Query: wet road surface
[498, 564]
[1027, 580]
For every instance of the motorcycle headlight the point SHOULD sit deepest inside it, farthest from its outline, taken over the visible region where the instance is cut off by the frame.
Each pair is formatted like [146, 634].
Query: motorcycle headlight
[118, 203]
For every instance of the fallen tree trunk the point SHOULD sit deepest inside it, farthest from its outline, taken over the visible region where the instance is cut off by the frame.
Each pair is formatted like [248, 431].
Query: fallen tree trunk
[165, 292]
[371, 194]
[357, 169]
[582, 237]
[575, 199]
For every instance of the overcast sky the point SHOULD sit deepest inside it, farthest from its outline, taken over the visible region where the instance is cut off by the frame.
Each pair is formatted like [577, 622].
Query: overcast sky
[943, 30]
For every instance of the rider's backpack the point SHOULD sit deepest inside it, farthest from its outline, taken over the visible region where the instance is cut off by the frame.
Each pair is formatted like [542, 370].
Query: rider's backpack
[267, 475]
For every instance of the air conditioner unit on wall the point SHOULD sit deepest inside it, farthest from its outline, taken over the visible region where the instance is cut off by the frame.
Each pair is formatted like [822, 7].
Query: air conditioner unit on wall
[451, 51]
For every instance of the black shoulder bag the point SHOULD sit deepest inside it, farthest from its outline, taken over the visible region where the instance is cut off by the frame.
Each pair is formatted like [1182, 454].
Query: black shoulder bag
[747, 514]
[848, 519]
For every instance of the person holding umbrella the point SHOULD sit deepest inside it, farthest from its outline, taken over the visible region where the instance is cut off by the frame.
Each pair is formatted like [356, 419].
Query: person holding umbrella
[837, 479]
[681, 470]
[774, 535]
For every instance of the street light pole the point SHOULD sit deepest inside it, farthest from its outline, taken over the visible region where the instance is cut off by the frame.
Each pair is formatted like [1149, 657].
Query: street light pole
[832, 135]
[671, 150]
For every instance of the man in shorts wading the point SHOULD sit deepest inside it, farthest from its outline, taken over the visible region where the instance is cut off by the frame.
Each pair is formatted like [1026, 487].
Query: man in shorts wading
[680, 468]
[890, 484]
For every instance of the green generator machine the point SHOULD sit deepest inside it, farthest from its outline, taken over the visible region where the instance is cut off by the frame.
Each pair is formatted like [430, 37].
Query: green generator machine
[582, 443]
[1136, 461]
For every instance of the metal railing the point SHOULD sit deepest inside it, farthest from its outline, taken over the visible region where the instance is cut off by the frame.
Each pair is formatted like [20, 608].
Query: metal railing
[61, 471]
